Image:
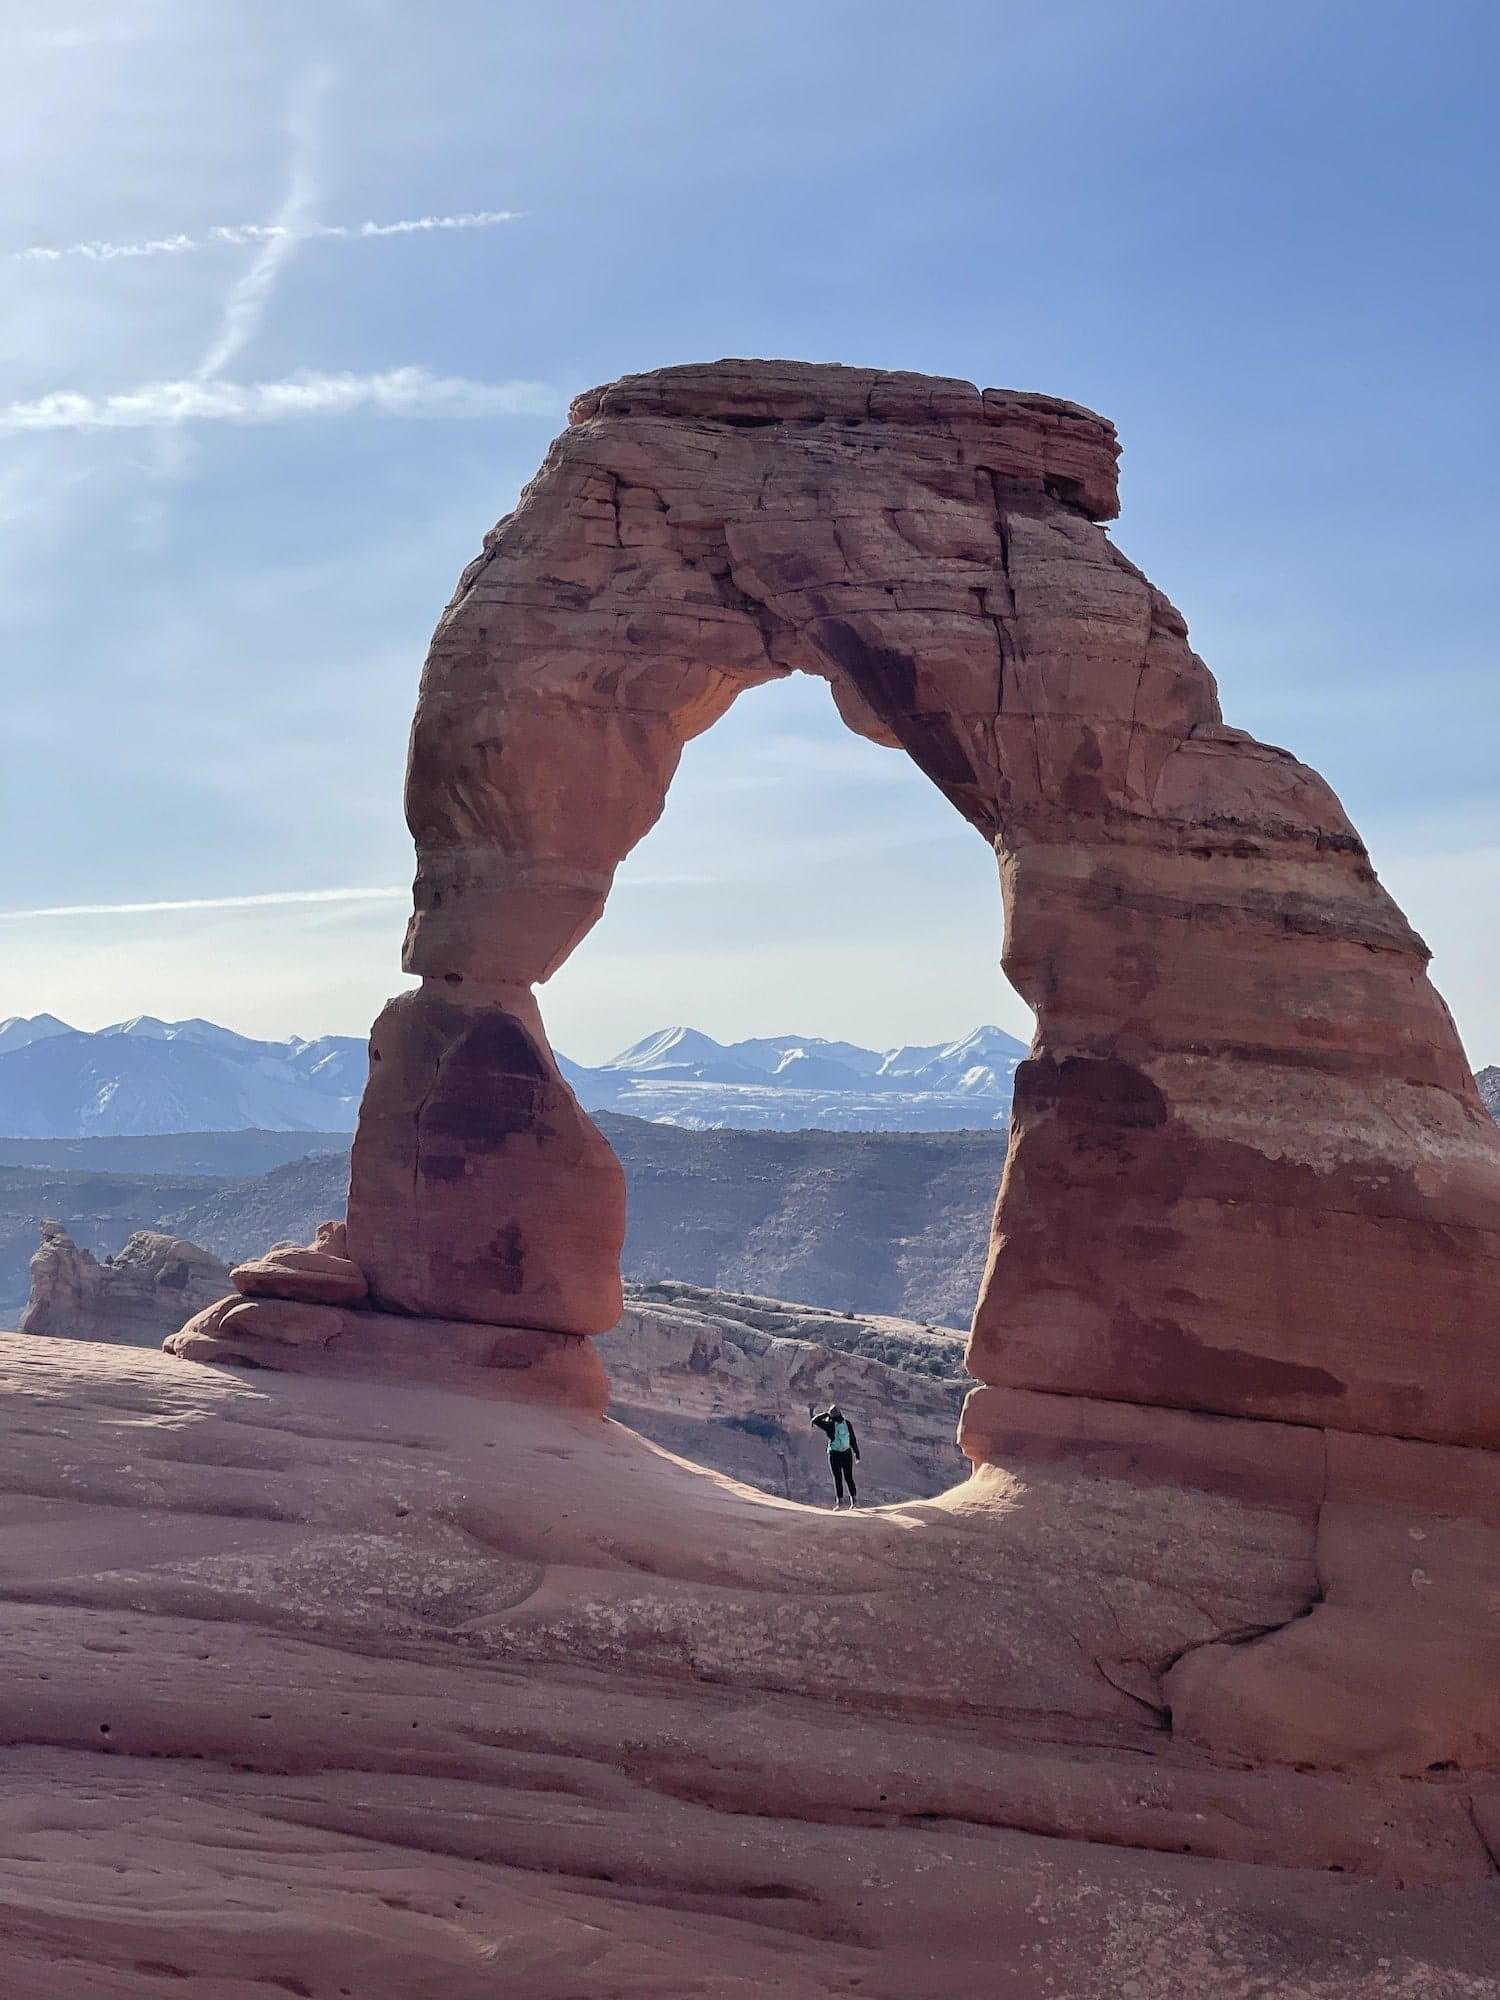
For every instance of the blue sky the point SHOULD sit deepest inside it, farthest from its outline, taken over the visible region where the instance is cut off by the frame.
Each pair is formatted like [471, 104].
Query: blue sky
[240, 473]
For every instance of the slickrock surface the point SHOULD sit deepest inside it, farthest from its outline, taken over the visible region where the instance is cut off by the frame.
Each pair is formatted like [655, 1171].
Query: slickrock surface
[138, 1296]
[329, 1688]
[726, 1380]
[1251, 1171]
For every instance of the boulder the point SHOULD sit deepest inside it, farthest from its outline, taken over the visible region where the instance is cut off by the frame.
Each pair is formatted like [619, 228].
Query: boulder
[321, 1273]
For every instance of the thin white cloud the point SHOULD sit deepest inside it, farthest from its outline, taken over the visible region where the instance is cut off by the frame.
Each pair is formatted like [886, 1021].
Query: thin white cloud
[397, 392]
[273, 899]
[240, 234]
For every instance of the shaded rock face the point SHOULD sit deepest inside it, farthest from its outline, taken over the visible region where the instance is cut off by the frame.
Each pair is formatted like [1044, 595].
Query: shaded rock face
[727, 1379]
[512, 1203]
[137, 1297]
[1250, 1171]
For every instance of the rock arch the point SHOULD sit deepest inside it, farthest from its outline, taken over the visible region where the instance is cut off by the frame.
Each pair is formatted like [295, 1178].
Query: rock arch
[1250, 1172]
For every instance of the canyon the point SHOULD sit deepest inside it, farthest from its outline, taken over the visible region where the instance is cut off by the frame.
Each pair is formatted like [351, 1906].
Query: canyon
[880, 1222]
[725, 1379]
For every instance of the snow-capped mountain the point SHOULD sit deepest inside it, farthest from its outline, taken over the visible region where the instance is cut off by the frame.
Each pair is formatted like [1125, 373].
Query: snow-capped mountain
[147, 1076]
[681, 1055]
[801, 1082]
[769, 1052]
[17, 1031]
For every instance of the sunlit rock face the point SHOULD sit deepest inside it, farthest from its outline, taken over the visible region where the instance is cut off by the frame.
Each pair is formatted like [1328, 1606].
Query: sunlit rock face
[1222, 1587]
[136, 1297]
[1251, 1173]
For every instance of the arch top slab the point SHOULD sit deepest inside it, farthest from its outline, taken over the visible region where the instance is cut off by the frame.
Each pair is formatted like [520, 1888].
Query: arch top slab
[697, 531]
[1250, 1173]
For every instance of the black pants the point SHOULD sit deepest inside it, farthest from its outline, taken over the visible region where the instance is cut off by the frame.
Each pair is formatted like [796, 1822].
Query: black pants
[843, 1474]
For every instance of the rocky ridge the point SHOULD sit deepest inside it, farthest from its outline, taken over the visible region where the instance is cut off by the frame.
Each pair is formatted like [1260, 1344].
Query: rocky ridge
[137, 1297]
[725, 1379]
[891, 1223]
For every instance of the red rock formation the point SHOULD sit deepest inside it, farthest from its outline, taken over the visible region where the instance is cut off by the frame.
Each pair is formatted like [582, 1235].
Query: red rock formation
[1228, 1596]
[1251, 1173]
[136, 1296]
[310, 1684]
[322, 1274]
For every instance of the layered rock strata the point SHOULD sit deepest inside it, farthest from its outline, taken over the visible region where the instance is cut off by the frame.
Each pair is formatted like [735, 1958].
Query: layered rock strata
[1250, 1171]
[310, 1684]
[306, 1309]
[137, 1296]
[322, 1273]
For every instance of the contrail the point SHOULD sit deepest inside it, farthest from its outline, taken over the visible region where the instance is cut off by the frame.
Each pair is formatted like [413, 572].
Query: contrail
[250, 295]
[166, 406]
[242, 233]
[272, 900]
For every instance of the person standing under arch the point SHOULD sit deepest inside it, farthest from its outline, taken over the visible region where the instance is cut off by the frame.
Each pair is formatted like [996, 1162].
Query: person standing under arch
[843, 1451]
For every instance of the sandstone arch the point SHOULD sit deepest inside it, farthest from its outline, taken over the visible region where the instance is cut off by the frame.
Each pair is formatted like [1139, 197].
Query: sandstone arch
[1250, 1172]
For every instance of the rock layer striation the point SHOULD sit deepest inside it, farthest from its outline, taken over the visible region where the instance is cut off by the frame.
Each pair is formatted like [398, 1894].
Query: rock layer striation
[137, 1296]
[1250, 1171]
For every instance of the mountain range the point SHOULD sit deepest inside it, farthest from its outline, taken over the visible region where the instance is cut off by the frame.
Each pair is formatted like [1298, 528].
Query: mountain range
[148, 1076]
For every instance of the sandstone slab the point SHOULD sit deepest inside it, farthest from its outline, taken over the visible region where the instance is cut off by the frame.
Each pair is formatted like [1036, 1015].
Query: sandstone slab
[321, 1273]
[309, 1683]
[299, 1336]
